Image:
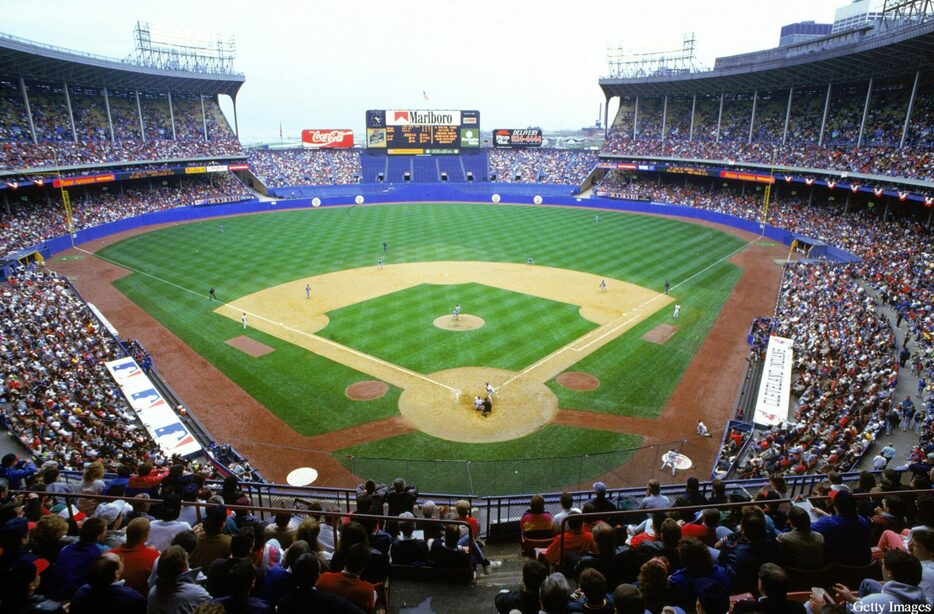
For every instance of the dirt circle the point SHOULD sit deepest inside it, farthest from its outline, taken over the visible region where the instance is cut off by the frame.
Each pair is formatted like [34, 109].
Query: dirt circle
[575, 380]
[463, 322]
[444, 406]
[367, 390]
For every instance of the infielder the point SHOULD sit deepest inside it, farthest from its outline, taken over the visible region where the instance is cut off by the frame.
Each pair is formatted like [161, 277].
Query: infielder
[669, 460]
[243, 321]
[702, 429]
[489, 391]
[677, 311]
[379, 263]
[602, 285]
[307, 291]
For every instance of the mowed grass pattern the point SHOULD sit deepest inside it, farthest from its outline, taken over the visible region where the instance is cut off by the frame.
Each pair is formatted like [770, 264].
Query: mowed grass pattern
[255, 252]
[519, 329]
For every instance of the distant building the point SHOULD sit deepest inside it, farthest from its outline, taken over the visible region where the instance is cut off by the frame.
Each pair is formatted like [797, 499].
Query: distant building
[802, 31]
[857, 13]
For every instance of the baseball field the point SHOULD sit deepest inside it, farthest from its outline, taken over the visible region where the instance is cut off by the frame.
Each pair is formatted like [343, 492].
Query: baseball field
[343, 364]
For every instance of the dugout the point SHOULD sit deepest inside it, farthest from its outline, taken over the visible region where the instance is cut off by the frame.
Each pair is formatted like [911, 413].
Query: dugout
[20, 259]
[814, 249]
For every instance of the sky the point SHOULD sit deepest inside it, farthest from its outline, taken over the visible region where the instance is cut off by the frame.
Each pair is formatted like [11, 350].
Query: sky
[323, 63]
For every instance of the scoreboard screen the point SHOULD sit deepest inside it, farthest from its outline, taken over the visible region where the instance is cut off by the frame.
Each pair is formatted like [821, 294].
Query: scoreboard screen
[418, 132]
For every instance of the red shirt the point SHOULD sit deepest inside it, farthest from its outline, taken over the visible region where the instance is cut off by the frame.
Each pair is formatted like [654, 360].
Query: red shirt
[359, 592]
[577, 542]
[137, 565]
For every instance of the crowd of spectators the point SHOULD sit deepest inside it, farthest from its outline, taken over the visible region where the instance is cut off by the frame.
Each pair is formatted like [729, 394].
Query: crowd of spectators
[32, 221]
[557, 166]
[288, 167]
[695, 561]
[56, 143]
[878, 155]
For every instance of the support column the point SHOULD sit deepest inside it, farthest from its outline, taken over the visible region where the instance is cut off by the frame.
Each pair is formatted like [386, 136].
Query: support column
[862, 123]
[811, 196]
[635, 119]
[172, 115]
[885, 215]
[787, 116]
[71, 115]
[823, 121]
[32, 126]
[752, 116]
[139, 111]
[664, 116]
[846, 205]
[110, 121]
[719, 117]
[6, 203]
[911, 106]
[606, 118]
[693, 107]
[204, 117]
[236, 124]
[930, 217]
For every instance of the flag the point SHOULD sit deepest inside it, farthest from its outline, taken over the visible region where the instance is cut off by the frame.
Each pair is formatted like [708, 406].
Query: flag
[280, 129]
[424, 94]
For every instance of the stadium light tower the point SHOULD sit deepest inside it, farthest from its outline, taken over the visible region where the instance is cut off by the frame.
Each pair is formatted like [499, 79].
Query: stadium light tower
[165, 49]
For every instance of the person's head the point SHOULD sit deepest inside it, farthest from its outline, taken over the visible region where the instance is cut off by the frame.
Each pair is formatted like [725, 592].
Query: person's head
[241, 544]
[186, 539]
[364, 504]
[353, 533]
[49, 531]
[92, 530]
[305, 570]
[653, 487]
[692, 485]
[104, 571]
[695, 557]
[711, 517]
[653, 578]
[902, 567]
[627, 599]
[599, 489]
[753, 523]
[452, 534]
[462, 508]
[773, 581]
[867, 481]
[925, 505]
[799, 519]
[171, 507]
[93, 471]
[50, 475]
[554, 593]
[604, 536]
[845, 504]
[533, 574]
[137, 532]
[369, 487]
[566, 500]
[593, 584]
[575, 521]
[172, 563]
[835, 478]
[921, 544]
[398, 484]
[671, 533]
[308, 531]
[215, 517]
[537, 504]
[295, 550]
[407, 523]
[243, 504]
[357, 558]
[140, 503]
[242, 576]
[282, 520]
[778, 484]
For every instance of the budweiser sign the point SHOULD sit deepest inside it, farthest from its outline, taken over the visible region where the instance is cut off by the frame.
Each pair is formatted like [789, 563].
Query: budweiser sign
[318, 139]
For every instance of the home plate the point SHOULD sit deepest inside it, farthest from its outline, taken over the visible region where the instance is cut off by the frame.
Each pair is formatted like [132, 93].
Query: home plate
[681, 463]
[303, 476]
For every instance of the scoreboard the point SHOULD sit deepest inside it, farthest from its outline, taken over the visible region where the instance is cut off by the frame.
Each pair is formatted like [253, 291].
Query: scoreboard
[419, 132]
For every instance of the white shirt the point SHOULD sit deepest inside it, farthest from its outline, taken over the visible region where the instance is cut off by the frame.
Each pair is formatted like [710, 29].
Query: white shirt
[162, 532]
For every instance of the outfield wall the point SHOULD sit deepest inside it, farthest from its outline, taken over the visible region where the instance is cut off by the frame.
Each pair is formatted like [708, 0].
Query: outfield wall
[329, 196]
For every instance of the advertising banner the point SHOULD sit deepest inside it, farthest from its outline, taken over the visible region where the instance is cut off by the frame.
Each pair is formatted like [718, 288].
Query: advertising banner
[320, 139]
[419, 117]
[157, 416]
[506, 137]
[775, 389]
[69, 182]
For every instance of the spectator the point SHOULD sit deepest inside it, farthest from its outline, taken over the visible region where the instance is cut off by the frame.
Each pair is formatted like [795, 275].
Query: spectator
[408, 549]
[901, 573]
[627, 599]
[591, 595]
[347, 583]
[137, 558]
[242, 580]
[577, 542]
[175, 591]
[800, 547]
[104, 592]
[536, 523]
[773, 588]
[847, 537]
[241, 545]
[698, 577]
[91, 484]
[567, 506]
[15, 470]
[74, 561]
[448, 552]
[307, 598]
[921, 545]
[526, 598]
[213, 543]
[554, 594]
[20, 583]
[280, 581]
[401, 498]
[280, 531]
[600, 501]
[162, 531]
[653, 497]
[744, 552]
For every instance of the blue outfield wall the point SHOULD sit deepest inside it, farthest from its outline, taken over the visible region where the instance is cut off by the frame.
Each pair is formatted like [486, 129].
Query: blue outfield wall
[329, 196]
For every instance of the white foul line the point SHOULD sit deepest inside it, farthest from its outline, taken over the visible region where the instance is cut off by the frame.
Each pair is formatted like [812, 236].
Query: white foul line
[280, 324]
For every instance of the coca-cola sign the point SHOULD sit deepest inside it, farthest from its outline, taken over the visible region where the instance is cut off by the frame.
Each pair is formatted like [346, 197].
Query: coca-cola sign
[318, 139]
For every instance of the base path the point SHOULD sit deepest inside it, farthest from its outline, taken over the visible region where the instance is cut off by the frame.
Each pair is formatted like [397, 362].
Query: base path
[434, 403]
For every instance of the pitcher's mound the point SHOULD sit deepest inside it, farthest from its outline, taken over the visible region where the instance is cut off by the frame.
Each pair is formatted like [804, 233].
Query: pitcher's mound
[575, 380]
[660, 334]
[249, 346]
[366, 390]
[464, 322]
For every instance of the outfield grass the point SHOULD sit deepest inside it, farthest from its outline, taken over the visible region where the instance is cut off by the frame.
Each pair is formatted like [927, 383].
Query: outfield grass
[255, 252]
[519, 328]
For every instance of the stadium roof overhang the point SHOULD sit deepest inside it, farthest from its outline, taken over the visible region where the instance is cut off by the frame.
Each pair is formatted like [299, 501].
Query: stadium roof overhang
[894, 54]
[21, 59]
